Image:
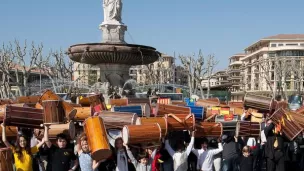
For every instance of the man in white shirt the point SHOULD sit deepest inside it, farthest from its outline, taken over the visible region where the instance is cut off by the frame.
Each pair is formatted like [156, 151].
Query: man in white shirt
[180, 156]
[206, 156]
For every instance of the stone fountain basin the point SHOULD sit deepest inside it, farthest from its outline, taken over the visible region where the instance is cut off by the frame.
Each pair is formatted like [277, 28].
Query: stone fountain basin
[105, 53]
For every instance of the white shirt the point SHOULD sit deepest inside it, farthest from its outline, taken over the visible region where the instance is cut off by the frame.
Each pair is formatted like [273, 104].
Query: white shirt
[180, 158]
[198, 153]
[206, 158]
[122, 161]
[251, 142]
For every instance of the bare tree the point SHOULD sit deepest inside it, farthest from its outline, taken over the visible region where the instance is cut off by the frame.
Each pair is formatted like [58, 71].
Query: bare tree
[264, 69]
[211, 63]
[153, 72]
[275, 71]
[298, 72]
[6, 64]
[22, 60]
[197, 69]
[61, 71]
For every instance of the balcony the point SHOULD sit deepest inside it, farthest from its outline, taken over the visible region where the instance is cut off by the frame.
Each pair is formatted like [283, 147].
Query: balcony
[233, 70]
[236, 63]
[235, 77]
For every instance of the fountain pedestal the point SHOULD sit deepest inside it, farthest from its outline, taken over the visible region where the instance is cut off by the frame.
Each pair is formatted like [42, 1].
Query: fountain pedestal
[115, 74]
[113, 32]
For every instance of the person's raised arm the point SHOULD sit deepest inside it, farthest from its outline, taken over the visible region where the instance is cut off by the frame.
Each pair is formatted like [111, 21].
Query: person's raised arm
[191, 144]
[7, 144]
[43, 139]
[46, 136]
[129, 153]
[169, 148]
[219, 149]
[268, 128]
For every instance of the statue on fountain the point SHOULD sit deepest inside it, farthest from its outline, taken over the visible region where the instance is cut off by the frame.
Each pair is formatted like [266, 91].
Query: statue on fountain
[112, 11]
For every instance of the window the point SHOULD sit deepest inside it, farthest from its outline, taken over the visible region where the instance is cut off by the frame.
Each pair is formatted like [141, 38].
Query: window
[292, 44]
[273, 45]
[302, 44]
[280, 44]
[271, 54]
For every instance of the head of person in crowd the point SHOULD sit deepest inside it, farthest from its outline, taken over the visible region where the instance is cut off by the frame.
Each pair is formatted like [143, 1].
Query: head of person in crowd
[213, 144]
[226, 138]
[143, 158]
[83, 140]
[119, 143]
[204, 143]
[180, 145]
[246, 151]
[62, 140]
[22, 143]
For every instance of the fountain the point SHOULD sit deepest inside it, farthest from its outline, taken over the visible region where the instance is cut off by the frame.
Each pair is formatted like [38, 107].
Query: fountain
[113, 55]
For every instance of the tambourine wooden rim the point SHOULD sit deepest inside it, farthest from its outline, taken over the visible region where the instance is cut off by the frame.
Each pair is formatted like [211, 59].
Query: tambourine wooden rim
[160, 131]
[214, 125]
[183, 120]
[126, 130]
[221, 125]
[139, 122]
[238, 127]
[42, 97]
[91, 117]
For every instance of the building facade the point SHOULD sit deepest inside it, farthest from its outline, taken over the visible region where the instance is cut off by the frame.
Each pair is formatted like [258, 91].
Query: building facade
[159, 72]
[216, 79]
[274, 64]
[222, 77]
[85, 74]
[236, 77]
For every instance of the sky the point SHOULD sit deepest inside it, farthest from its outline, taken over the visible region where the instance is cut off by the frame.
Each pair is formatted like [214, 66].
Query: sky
[219, 27]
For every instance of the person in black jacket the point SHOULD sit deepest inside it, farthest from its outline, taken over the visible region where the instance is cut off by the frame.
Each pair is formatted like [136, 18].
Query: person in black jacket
[246, 160]
[230, 154]
[274, 149]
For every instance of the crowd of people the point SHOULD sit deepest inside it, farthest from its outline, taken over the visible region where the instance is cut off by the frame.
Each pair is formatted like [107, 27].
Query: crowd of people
[271, 152]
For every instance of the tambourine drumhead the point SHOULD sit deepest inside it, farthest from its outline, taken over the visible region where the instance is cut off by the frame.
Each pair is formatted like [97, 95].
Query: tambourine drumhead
[237, 129]
[147, 110]
[134, 119]
[138, 121]
[72, 130]
[125, 134]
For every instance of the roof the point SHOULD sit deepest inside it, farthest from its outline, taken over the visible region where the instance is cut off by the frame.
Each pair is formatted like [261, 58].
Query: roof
[286, 36]
[166, 56]
[238, 55]
[279, 37]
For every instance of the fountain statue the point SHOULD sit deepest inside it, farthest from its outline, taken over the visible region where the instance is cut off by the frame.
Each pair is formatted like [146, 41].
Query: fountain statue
[113, 55]
[112, 11]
